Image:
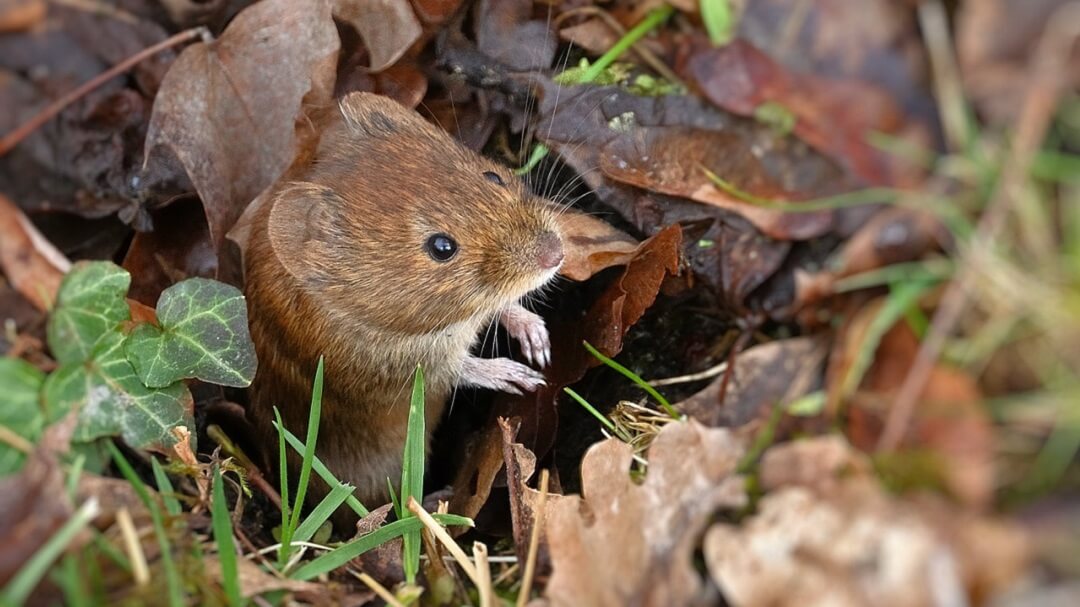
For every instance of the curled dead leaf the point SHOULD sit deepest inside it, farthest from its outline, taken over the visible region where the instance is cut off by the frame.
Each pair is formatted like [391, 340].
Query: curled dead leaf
[231, 110]
[626, 543]
[592, 245]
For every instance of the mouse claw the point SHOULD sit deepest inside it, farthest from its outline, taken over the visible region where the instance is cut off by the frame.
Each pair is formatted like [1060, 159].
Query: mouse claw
[530, 332]
[501, 374]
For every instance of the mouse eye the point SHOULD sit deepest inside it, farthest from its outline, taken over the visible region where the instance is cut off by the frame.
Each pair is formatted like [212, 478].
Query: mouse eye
[493, 177]
[441, 247]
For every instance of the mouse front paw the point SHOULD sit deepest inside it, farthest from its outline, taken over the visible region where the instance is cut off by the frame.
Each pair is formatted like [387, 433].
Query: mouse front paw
[529, 330]
[500, 374]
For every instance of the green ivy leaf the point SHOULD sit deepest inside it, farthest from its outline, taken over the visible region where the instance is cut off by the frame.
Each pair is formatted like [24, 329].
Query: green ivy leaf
[112, 400]
[20, 410]
[203, 333]
[90, 304]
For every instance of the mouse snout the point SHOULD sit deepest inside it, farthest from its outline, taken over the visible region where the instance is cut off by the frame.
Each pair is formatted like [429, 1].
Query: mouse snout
[550, 250]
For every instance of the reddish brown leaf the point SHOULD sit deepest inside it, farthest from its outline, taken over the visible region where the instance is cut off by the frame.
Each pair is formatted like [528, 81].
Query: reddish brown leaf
[834, 116]
[951, 424]
[893, 235]
[592, 245]
[31, 264]
[230, 109]
[17, 15]
[33, 506]
[674, 160]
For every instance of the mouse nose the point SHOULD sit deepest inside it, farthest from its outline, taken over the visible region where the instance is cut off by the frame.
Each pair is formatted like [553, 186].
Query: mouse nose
[551, 250]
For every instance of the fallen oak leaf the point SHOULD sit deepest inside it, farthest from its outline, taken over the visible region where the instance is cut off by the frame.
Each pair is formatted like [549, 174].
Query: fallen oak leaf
[625, 543]
[826, 532]
[231, 110]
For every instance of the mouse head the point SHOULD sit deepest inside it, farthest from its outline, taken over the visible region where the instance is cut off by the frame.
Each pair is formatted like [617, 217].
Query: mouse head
[398, 225]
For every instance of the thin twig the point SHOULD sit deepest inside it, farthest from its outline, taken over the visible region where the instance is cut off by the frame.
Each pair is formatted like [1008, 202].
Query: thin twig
[377, 588]
[534, 541]
[483, 569]
[9, 141]
[139, 569]
[1047, 83]
[448, 542]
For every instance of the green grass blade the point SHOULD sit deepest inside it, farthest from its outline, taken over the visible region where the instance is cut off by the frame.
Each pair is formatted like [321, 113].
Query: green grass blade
[412, 473]
[717, 18]
[283, 478]
[591, 409]
[644, 385]
[350, 550]
[650, 22]
[27, 578]
[172, 576]
[840, 201]
[324, 473]
[322, 512]
[70, 580]
[902, 296]
[73, 475]
[165, 488]
[394, 498]
[314, 415]
[223, 536]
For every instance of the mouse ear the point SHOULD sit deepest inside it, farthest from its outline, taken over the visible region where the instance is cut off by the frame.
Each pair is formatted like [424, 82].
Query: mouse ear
[373, 115]
[299, 222]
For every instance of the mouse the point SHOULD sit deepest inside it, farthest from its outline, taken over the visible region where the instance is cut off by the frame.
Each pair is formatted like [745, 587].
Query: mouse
[394, 246]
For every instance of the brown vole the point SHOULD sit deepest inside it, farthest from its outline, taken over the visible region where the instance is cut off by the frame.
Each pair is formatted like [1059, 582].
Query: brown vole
[395, 247]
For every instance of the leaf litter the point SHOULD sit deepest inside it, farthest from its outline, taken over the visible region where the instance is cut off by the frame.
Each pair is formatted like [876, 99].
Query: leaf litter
[783, 334]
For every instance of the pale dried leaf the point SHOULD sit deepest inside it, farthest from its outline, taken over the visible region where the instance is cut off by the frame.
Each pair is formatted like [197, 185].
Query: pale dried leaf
[626, 543]
[827, 533]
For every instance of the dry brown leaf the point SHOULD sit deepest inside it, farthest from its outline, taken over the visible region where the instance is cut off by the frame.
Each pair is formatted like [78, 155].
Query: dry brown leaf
[592, 245]
[774, 373]
[672, 160]
[32, 265]
[626, 543]
[828, 534]
[231, 110]
[388, 27]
